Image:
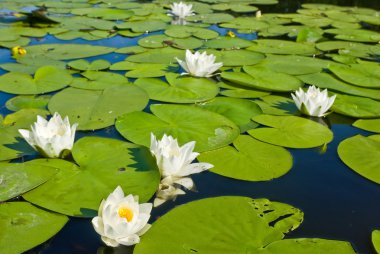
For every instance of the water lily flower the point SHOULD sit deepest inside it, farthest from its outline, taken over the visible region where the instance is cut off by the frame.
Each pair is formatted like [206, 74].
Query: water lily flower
[121, 219]
[18, 51]
[175, 164]
[313, 102]
[51, 138]
[181, 10]
[199, 65]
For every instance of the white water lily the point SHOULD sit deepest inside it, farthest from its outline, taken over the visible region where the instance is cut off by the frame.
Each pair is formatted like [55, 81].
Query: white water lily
[51, 138]
[181, 10]
[313, 102]
[175, 164]
[121, 219]
[199, 65]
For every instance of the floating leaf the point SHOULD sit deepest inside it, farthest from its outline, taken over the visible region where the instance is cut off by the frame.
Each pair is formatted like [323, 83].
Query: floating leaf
[361, 155]
[237, 110]
[24, 226]
[211, 18]
[358, 74]
[18, 178]
[164, 56]
[93, 109]
[186, 123]
[46, 79]
[376, 240]
[249, 159]
[272, 46]
[143, 25]
[84, 65]
[179, 89]
[368, 124]
[27, 101]
[187, 31]
[354, 106]
[277, 105]
[228, 43]
[103, 164]
[103, 13]
[144, 70]
[236, 57]
[291, 131]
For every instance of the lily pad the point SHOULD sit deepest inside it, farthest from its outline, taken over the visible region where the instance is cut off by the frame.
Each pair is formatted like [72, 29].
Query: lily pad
[46, 79]
[93, 109]
[376, 240]
[144, 70]
[164, 56]
[84, 65]
[355, 106]
[143, 25]
[249, 159]
[237, 110]
[211, 18]
[66, 51]
[103, 164]
[224, 42]
[187, 31]
[368, 124]
[18, 178]
[291, 131]
[27, 101]
[361, 155]
[237, 57]
[186, 123]
[24, 226]
[277, 105]
[363, 75]
[161, 40]
[272, 46]
[179, 89]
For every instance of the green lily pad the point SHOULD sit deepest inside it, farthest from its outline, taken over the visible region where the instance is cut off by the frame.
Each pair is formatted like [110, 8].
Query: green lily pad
[368, 124]
[93, 109]
[46, 79]
[294, 65]
[179, 89]
[348, 48]
[272, 46]
[11, 144]
[211, 18]
[249, 159]
[358, 74]
[356, 35]
[66, 51]
[237, 110]
[224, 42]
[354, 106]
[84, 65]
[291, 131]
[161, 40]
[250, 24]
[143, 25]
[324, 80]
[186, 123]
[235, 7]
[236, 91]
[263, 79]
[187, 31]
[103, 164]
[361, 155]
[27, 101]
[144, 70]
[24, 226]
[103, 13]
[237, 57]
[376, 240]
[18, 178]
[258, 226]
[99, 80]
[277, 105]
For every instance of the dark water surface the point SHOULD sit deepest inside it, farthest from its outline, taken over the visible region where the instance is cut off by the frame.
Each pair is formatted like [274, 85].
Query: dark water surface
[337, 203]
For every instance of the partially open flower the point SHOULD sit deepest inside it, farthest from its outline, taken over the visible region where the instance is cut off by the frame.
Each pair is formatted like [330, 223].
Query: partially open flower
[18, 51]
[199, 65]
[51, 138]
[313, 102]
[175, 164]
[181, 10]
[122, 220]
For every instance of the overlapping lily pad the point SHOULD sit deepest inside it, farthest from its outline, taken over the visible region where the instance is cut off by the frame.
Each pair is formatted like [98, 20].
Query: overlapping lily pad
[179, 89]
[272, 46]
[368, 124]
[361, 155]
[93, 109]
[291, 131]
[101, 165]
[236, 57]
[277, 105]
[144, 70]
[46, 79]
[186, 123]
[355, 106]
[27, 101]
[249, 159]
[359, 74]
[24, 226]
[258, 226]
[18, 178]
[84, 65]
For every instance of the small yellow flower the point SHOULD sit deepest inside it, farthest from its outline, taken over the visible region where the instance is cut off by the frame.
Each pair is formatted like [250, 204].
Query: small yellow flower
[18, 51]
[231, 34]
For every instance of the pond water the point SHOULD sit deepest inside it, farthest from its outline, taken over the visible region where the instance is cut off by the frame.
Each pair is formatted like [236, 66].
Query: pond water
[337, 203]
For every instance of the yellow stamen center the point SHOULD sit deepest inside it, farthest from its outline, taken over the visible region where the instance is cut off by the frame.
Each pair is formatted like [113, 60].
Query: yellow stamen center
[126, 213]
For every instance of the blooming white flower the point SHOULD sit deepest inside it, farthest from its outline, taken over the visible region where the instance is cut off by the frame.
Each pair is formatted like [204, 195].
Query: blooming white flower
[174, 163]
[313, 102]
[122, 220]
[199, 65]
[51, 138]
[181, 10]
